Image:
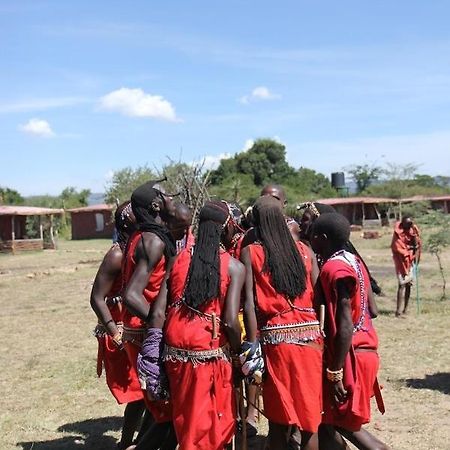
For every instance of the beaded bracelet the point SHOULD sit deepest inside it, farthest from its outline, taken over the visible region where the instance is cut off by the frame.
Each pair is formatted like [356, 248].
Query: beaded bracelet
[335, 375]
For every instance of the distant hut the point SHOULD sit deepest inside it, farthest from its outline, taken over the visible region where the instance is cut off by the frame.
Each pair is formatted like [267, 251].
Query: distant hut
[15, 234]
[364, 211]
[92, 222]
[437, 202]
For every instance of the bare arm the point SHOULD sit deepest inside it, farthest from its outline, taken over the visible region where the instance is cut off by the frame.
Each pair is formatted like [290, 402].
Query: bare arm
[236, 271]
[373, 307]
[294, 229]
[107, 273]
[158, 309]
[148, 253]
[251, 326]
[344, 325]
[314, 266]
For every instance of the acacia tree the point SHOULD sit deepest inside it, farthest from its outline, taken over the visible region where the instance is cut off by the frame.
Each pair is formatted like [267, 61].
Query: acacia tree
[438, 240]
[10, 197]
[364, 175]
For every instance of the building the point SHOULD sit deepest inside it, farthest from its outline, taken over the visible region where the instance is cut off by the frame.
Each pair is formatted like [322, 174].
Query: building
[92, 222]
[364, 211]
[18, 222]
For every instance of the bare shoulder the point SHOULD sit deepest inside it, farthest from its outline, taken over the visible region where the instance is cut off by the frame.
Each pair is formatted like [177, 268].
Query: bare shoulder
[113, 258]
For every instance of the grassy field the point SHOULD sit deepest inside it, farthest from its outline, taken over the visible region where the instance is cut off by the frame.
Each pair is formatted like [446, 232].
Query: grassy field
[52, 399]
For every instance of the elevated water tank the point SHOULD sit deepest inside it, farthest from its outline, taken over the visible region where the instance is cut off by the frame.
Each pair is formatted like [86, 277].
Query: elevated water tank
[338, 180]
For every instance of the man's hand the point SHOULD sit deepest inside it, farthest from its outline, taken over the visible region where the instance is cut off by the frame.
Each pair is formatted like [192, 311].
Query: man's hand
[339, 393]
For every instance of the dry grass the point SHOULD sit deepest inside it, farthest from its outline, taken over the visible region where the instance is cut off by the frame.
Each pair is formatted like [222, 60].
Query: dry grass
[52, 399]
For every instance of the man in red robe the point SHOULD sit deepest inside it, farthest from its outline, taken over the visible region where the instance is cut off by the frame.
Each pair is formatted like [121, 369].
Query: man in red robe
[351, 342]
[406, 246]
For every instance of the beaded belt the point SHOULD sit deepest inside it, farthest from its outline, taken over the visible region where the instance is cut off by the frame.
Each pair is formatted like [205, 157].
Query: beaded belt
[295, 333]
[134, 335]
[194, 356]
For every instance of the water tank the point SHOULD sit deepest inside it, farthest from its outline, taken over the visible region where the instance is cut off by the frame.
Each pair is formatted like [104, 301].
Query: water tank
[338, 180]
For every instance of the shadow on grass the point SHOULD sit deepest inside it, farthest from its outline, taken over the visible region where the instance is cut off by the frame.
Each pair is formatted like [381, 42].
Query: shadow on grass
[437, 382]
[87, 434]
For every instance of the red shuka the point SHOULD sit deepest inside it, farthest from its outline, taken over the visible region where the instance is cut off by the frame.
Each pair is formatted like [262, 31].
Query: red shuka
[121, 378]
[362, 361]
[292, 391]
[161, 410]
[402, 245]
[201, 391]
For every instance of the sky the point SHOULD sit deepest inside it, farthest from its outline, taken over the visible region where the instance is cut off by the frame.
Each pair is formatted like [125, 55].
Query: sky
[88, 88]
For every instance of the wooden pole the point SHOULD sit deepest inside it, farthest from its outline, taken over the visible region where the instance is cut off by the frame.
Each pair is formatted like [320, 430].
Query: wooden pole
[13, 233]
[214, 325]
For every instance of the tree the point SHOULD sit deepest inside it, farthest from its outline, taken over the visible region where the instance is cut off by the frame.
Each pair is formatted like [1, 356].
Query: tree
[364, 175]
[125, 181]
[438, 240]
[71, 198]
[10, 197]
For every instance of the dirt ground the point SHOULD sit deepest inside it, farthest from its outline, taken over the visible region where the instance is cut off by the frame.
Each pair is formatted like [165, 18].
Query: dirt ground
[52, 399]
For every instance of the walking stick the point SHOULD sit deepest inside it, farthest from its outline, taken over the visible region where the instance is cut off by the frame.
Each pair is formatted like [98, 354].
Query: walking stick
[243, 415]
[416, 276]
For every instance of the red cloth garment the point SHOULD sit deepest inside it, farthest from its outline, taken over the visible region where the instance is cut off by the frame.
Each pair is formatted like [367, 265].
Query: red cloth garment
[362, 361]
[120, 377]
[201, 388]
[292, 390]
[161, 410]
[403, 243]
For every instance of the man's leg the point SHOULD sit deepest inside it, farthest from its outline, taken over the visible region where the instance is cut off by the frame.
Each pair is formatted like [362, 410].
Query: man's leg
[400, 299]
[407, 296]
[330, 439]
[310, 441]
[363, 440]
[278, 436]
[131, 418]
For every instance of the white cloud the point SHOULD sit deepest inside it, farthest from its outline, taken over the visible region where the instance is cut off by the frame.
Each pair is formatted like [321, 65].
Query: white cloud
[137, 103]
[37, 127]
[248, 144]
[259, 93]
[40, 104]
[211, 162]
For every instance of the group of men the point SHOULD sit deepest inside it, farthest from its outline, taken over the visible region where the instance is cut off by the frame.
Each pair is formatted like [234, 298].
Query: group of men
[169, 307]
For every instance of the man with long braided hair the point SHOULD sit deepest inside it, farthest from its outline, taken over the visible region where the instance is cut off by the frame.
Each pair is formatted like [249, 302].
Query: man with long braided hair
[148, 255]
[279, 304]
[204, 289]
[106, 301]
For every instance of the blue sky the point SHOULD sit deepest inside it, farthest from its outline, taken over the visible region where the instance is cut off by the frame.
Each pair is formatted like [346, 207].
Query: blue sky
[87, 88]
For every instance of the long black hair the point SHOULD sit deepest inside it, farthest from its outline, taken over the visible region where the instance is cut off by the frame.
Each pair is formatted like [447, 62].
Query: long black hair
[203, 278]
[282, 258]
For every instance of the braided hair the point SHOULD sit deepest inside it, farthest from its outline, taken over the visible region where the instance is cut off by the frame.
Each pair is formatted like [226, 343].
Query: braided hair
[125, 222]
[282, 258]
[203, 278]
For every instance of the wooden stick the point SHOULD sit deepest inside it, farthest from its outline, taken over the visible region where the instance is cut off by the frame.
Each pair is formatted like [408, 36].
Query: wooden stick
[322, 317]
[214, 325]
[243, 415]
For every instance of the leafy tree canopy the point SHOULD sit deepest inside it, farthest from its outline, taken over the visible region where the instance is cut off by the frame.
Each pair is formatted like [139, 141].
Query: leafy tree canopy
[10, 197]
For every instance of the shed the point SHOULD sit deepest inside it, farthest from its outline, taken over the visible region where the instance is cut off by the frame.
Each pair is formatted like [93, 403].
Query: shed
[13, 228]
[363, 210]
[92, 222]
[439, 202]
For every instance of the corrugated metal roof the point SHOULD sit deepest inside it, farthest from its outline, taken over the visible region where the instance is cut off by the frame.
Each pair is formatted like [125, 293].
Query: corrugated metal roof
[99, 207]
[353, 200]
[13, 210]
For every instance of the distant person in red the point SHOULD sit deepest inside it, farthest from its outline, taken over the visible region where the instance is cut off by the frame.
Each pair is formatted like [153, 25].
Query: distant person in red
[351, 343]
[279, 307]
[202, 325]
[106, 301]
[406, 247]
[148, 255]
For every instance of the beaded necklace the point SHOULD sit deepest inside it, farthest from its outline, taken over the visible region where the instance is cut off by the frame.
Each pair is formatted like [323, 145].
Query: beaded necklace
[354, 262]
